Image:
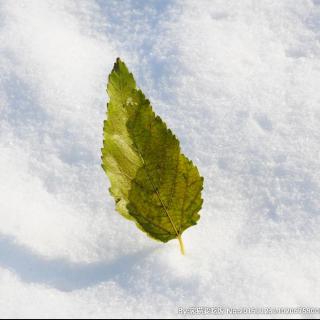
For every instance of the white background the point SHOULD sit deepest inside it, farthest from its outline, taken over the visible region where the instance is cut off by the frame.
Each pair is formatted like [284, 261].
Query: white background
[237, 81]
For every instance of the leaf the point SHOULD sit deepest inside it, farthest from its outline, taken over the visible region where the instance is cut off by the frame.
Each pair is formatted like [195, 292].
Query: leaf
[153, 183]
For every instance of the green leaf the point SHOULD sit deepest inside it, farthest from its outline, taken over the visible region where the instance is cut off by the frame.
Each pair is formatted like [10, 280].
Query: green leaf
[153, 183]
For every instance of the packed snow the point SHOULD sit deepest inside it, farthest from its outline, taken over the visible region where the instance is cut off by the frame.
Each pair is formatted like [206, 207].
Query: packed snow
[237, 81]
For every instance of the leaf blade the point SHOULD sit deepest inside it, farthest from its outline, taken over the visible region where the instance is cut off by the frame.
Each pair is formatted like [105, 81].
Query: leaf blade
[162, 188]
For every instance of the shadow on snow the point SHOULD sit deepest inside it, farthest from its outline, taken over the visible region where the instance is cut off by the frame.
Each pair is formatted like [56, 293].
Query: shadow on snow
[61, 274]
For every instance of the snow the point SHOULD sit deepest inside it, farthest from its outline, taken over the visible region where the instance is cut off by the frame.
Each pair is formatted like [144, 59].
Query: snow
[237, 81]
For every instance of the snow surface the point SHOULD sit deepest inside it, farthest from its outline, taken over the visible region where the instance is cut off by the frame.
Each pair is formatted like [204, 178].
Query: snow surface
[237, 81]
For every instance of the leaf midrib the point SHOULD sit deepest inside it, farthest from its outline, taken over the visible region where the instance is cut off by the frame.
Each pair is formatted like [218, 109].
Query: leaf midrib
[144, 166]
[153, 186]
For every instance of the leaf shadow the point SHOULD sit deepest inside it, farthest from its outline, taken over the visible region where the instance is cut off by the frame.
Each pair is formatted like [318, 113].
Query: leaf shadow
[62, 274]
